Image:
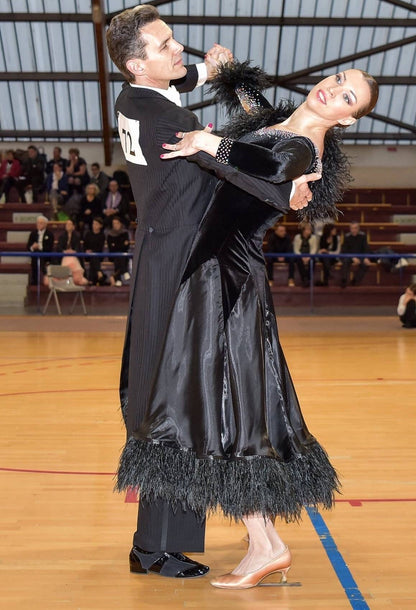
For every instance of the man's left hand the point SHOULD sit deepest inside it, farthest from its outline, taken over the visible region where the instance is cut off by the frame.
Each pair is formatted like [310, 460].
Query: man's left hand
[302, 195]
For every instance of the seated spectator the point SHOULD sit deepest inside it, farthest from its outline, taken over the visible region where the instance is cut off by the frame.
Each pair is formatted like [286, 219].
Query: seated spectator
[70, 240]
[90, 207]
[70, 243]
[115, 204]
[118, 241]
[31, 183]
[56, 158]
[355, 242]
[280, 242]
[94, 241]
[9, 173]
[40, 240]
[76, 170]
[99, 178]
[57, 188]
[305, 243]
[329, 243]
[406, 309]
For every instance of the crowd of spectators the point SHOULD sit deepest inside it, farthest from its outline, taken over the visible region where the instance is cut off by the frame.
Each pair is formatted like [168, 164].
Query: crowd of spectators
[72, 190]
[70, 243]
[94, 206]
[308, 242]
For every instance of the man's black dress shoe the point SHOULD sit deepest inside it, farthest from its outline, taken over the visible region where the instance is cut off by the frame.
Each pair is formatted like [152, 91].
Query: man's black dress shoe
[173, 565]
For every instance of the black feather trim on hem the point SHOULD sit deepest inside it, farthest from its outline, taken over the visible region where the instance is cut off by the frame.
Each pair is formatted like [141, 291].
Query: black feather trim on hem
[238, 487]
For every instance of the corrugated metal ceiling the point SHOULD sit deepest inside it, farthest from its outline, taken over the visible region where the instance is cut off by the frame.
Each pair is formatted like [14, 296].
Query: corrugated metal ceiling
[50, 88]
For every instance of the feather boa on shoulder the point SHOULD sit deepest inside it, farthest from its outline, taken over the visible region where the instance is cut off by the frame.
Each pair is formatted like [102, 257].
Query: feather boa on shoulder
[336, 176]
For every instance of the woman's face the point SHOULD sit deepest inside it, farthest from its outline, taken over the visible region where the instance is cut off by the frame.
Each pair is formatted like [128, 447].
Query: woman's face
[336, 98]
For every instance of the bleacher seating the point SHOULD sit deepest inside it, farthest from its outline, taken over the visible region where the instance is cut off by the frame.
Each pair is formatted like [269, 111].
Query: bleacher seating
[387, 215]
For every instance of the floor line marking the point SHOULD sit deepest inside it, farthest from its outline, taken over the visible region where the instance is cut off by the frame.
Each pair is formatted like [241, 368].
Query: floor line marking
[341, 569]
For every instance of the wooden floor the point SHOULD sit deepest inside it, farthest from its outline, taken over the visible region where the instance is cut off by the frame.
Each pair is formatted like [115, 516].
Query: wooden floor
[65, 535]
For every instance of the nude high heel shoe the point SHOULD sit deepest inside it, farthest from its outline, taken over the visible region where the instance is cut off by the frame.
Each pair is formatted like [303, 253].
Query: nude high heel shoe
[280, 564]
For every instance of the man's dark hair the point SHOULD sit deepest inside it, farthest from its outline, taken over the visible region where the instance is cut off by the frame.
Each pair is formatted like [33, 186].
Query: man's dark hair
[124, 39]
[97, 165]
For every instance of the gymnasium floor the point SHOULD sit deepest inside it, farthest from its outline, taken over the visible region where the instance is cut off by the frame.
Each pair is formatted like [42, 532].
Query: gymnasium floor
[66, 535]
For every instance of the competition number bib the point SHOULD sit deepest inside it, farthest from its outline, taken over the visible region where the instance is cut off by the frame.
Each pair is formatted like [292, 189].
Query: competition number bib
[129, 131]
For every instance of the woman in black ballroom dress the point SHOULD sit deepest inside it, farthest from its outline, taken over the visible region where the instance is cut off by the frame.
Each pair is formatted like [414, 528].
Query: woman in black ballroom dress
[238, 441]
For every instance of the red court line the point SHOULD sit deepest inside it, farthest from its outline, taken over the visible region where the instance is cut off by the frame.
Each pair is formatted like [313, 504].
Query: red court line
[61, 391]
[26, 470]
[351, 501]
[55, 359]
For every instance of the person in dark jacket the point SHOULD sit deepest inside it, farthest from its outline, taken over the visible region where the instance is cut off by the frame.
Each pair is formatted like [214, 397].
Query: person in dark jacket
[32, 178]
[329, 243]
[280, 242]
[94, 241]
[115, 203]
[355, 242]
[118, 240]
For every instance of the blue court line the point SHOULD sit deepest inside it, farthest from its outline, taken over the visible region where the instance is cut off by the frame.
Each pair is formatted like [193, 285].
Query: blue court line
[342, 571]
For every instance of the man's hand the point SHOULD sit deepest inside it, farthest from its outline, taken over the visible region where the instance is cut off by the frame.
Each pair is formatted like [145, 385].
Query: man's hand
[216, 56]
[302, 195]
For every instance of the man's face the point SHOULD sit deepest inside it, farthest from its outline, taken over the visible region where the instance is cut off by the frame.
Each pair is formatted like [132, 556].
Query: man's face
[281, 231]
[95, 170]
[113, 186]
[40, 224]
[163, 61]
[32, 153]
[354, 228]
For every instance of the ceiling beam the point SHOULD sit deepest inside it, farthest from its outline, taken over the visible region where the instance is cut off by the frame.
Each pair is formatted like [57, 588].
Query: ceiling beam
[402, 4]
[98, 16]
[224, 20]
[117, 77]
[278, 80]
[77, 135]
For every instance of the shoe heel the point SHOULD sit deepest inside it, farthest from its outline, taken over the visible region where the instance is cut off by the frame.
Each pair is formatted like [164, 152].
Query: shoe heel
[284, 574]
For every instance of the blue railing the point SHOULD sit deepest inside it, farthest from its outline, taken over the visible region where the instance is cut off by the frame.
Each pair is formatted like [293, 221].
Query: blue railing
[312, 257]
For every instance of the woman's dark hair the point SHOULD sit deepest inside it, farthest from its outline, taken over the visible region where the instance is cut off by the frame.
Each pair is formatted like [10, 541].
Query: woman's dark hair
[413, 288]
[326, 231]
[124, 39]
[373, 86]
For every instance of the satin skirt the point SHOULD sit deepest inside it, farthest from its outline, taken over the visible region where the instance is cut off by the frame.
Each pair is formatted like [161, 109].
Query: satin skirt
[224, 429]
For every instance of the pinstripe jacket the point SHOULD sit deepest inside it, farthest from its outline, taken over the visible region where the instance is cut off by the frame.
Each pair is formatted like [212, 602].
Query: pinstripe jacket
[171, 198]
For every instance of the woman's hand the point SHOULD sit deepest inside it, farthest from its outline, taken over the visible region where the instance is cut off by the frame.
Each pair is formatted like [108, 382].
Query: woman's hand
[215, 57]
[192, 142]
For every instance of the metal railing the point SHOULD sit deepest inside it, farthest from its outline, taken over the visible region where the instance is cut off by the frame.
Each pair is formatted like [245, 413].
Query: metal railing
[312, 258]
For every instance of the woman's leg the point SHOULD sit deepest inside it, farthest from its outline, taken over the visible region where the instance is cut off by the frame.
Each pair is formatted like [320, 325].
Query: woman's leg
[264, 544]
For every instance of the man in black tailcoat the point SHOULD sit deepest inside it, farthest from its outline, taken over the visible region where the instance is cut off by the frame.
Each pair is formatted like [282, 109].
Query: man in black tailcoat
[171, 198]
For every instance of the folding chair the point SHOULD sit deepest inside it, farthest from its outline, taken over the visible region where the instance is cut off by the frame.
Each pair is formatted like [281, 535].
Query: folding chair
[60, 280]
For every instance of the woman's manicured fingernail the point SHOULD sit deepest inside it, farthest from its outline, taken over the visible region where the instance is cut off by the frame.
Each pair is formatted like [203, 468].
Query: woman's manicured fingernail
[210, 125]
